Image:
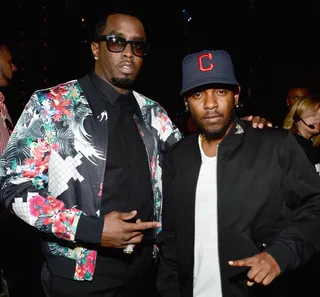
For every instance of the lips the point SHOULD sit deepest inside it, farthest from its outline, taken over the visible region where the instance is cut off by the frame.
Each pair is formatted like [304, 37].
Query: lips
[317, 125]
[211, 116]
[126, 67]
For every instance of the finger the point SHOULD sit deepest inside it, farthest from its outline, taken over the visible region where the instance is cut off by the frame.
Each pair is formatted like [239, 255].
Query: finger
[131, 240]
[125, 216]
[144, 225]
[249, 118]
[262, 123]
[268, 279]
[256, 119]
[254, 272]
[259, 277]
[250, 283]
[123, 246]
[131, 234]
[135, 240]
[242, 262]
[269, 124]
[138, 221]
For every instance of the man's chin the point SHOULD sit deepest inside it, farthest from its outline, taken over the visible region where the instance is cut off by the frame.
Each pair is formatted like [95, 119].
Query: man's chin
[215, 134]
[123, 83]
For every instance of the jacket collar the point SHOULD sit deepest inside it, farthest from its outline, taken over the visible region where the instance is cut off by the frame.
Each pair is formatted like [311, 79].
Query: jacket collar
[94, 97]
[235, 136]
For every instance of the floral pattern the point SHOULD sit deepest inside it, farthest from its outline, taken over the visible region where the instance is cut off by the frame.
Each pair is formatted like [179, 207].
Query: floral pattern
[52, 214]
[52, 123]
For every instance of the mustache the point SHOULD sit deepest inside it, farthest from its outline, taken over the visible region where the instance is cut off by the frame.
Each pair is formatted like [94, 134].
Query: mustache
[214, 114]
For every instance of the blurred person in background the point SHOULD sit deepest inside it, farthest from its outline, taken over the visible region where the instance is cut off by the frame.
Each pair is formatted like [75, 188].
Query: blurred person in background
[303, 120]
[7, 71]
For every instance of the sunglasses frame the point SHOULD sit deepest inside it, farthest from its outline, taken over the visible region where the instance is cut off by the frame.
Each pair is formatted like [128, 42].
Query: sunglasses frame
[106, 38]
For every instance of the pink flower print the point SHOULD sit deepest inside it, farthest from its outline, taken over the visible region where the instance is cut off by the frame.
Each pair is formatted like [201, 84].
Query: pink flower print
[100, 192]
[55, 146]
[164, 119]
[60, 107]
[36, 203]
[86, 266]
[39, 205]
[59, 229]
[153, 166]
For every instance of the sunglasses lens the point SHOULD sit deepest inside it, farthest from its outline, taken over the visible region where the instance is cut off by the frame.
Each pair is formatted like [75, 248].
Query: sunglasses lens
[116, 44]
[139, 48]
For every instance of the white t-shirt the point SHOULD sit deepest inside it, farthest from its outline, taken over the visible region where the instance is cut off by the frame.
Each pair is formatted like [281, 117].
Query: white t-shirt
[206, 282]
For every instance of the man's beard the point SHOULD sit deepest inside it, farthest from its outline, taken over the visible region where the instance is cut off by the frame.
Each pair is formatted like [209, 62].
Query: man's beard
[218, 134]
[123, 82]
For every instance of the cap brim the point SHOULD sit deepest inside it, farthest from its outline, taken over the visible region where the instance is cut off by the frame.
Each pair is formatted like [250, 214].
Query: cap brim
[207, 81]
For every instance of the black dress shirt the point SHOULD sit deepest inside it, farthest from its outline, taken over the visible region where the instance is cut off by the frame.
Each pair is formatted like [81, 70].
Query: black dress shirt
[127, 183]
[126, 187]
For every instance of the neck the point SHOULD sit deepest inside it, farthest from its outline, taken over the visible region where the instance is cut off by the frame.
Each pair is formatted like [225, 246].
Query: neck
[209, 146]
[303, 132]
[98, 72]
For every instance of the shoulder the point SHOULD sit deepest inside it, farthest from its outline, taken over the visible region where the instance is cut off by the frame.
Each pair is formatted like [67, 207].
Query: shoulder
[279, 140]
[182, 147]
[64, 90]
[268, 134]
[145, 101]
[157, 117]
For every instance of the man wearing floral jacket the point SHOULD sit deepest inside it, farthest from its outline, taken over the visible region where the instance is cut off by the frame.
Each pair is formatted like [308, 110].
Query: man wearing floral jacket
[83, 166]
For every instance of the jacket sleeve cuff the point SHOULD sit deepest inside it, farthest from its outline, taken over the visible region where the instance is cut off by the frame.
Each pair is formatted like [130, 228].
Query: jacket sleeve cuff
[175, 292]
[89, 230]
[283, 255]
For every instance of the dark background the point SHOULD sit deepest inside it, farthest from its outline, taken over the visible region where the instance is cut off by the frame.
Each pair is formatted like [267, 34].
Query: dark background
[272, 43]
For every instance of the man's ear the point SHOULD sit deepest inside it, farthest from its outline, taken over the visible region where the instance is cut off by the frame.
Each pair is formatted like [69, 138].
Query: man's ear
[236, 96]
[186, 104]
[95, 50]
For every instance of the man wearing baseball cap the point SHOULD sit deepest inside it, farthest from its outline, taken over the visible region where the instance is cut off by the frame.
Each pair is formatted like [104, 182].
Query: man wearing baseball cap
[241, 205]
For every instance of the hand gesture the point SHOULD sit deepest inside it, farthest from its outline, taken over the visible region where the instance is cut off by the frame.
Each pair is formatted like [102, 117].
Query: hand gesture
[264, 268]
[119, 233]
[257, 122]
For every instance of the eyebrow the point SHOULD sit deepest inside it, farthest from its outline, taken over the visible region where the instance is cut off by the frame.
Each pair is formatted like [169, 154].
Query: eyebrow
[119, 34]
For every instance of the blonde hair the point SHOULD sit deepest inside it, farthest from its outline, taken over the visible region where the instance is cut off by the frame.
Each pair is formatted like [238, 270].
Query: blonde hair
[297, 110]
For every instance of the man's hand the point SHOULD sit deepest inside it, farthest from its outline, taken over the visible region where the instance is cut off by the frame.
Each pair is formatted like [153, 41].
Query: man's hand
[257, 122]
[118, 232]
[264, 268]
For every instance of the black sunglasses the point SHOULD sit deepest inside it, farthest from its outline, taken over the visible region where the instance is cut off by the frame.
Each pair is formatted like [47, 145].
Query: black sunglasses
[117, 44]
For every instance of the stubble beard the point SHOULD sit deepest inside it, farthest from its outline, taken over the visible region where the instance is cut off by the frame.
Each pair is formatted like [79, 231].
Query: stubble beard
[122, 82]
[220, 133]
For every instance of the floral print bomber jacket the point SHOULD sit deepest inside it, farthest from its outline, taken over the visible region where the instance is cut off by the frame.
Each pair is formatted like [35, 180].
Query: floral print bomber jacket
[52, 169]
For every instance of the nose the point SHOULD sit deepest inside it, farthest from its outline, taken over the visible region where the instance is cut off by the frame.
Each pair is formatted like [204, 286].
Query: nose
[14, 68]
[127, 51]
[210, 100]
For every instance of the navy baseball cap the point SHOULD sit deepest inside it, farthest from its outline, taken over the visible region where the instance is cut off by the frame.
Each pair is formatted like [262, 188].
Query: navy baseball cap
[207, 67]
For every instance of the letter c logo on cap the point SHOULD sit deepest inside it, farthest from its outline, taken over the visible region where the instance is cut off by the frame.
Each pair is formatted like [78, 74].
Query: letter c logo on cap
[209, 56]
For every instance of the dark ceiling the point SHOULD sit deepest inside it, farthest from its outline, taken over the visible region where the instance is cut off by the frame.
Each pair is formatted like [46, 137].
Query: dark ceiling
[271, 43]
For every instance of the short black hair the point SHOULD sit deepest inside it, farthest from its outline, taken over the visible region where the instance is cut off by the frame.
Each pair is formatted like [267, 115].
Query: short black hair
[100, 22]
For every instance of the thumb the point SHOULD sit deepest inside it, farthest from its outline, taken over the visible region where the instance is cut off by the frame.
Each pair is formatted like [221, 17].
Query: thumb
[128, 215]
